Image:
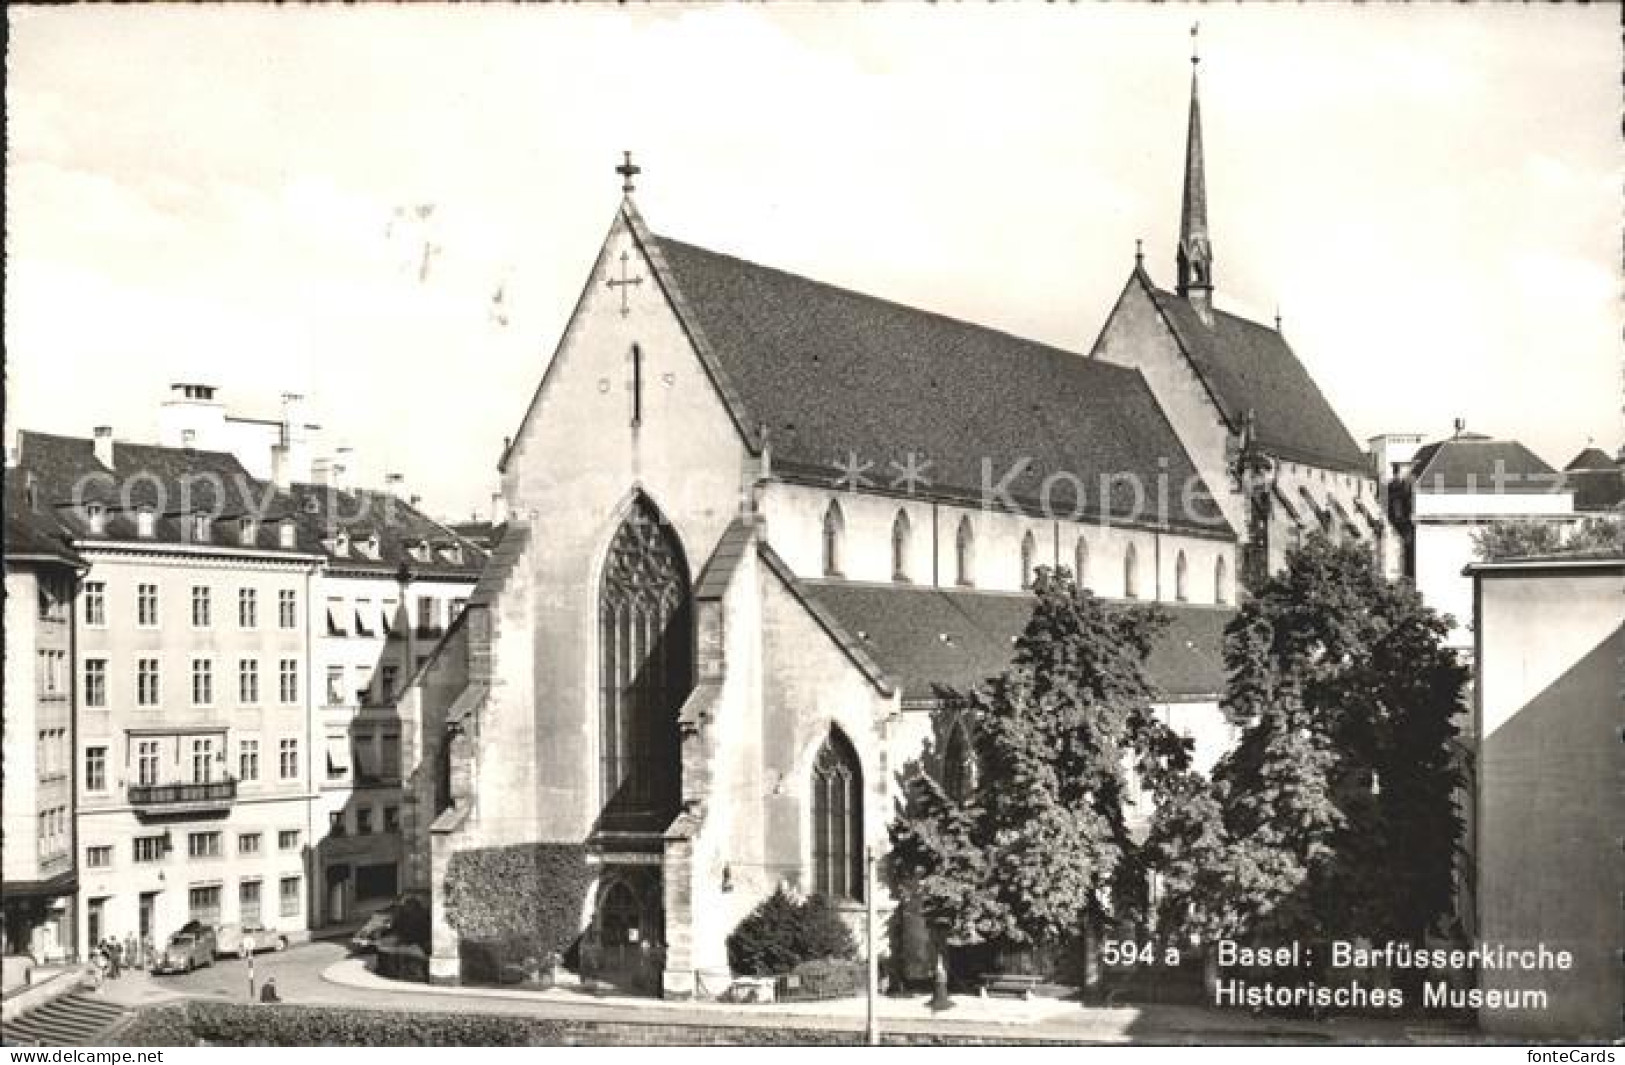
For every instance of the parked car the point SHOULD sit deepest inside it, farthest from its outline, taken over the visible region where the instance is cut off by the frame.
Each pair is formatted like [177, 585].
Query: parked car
[187, 950]
[229, 940]
[373, 929]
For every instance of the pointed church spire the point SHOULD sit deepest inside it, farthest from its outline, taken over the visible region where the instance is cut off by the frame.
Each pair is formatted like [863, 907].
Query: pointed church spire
[1195, 253]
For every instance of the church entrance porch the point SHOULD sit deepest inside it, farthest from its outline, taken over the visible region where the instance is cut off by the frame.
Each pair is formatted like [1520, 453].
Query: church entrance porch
[624, 947]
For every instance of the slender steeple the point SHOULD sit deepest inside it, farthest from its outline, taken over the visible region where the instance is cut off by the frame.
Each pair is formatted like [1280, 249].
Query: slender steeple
[1195, 253]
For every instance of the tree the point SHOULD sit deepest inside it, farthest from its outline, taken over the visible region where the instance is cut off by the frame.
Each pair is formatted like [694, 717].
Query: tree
[1336, 813]
[1043, 844]
[1517, 539]
[782, 933]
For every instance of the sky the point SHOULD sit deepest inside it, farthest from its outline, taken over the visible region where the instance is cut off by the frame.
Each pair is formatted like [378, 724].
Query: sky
[393, 208]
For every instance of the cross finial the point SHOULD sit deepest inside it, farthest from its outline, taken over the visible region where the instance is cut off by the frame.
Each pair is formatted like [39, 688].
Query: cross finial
[1195, 56]
[1139, 252]
[628, 170]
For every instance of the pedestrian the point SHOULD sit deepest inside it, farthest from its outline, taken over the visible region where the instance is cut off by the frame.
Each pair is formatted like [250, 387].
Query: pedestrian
[110, 952]
[268, 992]
[148, 951]
[118, 957]
[130, 959]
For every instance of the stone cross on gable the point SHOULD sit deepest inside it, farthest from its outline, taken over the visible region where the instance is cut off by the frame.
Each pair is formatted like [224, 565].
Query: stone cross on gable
[623, 283]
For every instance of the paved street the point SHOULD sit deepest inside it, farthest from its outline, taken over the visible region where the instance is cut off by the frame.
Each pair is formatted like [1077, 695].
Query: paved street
[320, 974]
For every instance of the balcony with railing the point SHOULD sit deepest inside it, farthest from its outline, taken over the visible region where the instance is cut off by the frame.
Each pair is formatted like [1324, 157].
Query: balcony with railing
[183, 798]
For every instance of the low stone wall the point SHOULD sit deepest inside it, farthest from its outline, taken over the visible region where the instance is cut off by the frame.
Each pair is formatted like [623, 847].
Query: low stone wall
[46, 986]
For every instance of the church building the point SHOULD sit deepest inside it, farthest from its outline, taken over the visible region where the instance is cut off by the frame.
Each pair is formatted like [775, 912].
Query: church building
[761, 530]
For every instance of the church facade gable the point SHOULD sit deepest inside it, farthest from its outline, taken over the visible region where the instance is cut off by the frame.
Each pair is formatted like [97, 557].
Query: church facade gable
[1138, 336]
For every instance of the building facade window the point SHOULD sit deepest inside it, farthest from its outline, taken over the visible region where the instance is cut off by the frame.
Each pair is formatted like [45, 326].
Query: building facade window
[96, 682]
[290, 894]
[337, 623]
[363, 821]
[837, 820]
[99, 857]
[336, 826]
[1131, 572]
[149, 848]
[1029, 559]
[202, 761]
[248, 681]
[95, 768]
[392, 819]
[335, 685]
[288, 680]
[834, 531]
[1181, 578]
[389, 677]
[287, 608]
[203, 904]
[248, 760]
[202, 607]
[390, 758]
[248, 842]
[146, 682]
[202, 682]
[203, 845]
[248, 608]
[901, 534]
[96, 604]
[287, 839]
[288, 759]
[248, 902]
[146, 762]
[146, 605]
[965, 554]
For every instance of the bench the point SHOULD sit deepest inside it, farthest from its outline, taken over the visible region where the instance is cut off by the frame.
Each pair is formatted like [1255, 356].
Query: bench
[1009, 983]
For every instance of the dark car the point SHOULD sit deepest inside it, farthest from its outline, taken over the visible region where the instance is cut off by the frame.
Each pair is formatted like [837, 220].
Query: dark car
[186, 950]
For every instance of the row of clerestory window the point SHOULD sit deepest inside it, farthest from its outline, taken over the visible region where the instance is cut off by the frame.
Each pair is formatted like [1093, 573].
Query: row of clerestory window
[834, 533]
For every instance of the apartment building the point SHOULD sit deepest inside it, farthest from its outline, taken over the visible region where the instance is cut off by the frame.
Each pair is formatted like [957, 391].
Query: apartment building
[38, 870]
[194, 745]
[392, 581]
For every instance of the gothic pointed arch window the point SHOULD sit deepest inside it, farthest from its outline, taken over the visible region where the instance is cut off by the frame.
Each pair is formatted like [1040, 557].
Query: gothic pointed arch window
[834, 532]
[1131, 572]
[837, 819]
[1221, 581]
[959, 768]
[1181, 578]
[965, 553]
[900, 534]
[646, 669]
[1029, 558]
[1080, 562]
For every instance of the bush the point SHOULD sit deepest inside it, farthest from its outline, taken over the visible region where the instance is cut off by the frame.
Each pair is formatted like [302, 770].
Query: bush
[827, 978]
[781, 933]
[513, 903]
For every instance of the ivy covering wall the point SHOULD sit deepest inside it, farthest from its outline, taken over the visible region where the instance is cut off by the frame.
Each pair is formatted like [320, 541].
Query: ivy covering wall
[514, 906]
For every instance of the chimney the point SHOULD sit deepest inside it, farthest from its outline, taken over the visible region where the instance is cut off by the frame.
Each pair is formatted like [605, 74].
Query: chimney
[342, 469]
[281, 472]
[499, 508]
[1461, 426]
[103, 435]
[192, 417]
[395, 484]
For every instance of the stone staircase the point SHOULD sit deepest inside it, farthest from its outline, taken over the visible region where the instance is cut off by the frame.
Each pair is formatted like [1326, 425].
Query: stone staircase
[75, 1019]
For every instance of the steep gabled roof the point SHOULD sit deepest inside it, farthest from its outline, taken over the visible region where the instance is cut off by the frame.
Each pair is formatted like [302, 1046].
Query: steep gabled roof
[1250, 367]
[33, 532]
[932, 640]
[834, 374]
[323, 511]
[1475, 463]
[1592, 458]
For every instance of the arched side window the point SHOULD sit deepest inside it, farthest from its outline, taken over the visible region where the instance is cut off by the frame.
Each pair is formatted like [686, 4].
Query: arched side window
[1181, 578]
[1131, 573]
[1029, 552]
[834, 530]
[959, 768]
[1221, 581]
[899, 546]
[1080, 563]
[837, 820]
[965, 554]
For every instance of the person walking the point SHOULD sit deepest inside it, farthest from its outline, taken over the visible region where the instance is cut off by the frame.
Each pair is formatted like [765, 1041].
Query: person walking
[268, 992]
[130, 958]
[112, 949]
